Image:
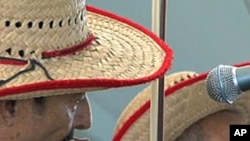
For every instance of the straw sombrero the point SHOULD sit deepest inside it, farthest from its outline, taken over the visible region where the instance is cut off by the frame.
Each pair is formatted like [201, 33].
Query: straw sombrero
[52, 47]
[186, 102]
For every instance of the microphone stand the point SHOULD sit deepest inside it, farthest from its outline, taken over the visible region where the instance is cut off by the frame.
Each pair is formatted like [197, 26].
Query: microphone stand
[157, 99]
[247, 4]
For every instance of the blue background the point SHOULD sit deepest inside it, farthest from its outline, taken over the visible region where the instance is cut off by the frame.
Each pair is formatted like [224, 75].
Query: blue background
[203, 33]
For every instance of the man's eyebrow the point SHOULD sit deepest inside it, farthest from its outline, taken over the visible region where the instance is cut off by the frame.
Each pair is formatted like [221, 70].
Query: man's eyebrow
[79, 96]
[83, 96]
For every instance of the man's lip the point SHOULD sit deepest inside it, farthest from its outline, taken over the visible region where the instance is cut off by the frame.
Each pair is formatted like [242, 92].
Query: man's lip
[81, 139]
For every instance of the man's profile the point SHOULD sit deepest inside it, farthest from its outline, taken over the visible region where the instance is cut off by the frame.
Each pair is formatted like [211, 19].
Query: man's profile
[52, 52]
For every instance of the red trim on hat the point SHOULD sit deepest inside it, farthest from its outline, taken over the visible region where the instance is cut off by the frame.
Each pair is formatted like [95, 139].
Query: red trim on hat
[12, 61]
[99, 82]
[145, 107]
[164, 46]
[70, 50]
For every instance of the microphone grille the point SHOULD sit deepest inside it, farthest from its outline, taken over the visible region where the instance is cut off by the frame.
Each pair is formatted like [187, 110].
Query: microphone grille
[220, 84]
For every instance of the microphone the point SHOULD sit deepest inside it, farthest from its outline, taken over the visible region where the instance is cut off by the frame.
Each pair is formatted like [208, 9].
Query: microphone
[226, 83]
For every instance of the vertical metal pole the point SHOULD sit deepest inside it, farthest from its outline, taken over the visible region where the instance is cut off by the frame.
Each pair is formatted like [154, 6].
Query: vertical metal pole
[157, 99]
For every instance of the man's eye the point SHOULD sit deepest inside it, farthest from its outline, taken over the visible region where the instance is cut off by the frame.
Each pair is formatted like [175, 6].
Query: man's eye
[77, 101]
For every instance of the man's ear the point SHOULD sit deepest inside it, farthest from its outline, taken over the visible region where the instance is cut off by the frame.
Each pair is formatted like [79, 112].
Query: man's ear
[8, 111]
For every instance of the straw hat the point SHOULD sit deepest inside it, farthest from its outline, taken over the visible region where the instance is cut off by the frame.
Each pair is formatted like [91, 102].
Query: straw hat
[186, 102]
[52, 47]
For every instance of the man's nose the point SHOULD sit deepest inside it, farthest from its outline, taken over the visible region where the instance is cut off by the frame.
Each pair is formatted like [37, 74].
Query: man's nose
[83, 115]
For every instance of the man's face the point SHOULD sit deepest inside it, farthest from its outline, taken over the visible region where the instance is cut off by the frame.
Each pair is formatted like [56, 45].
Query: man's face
[52, 119]
[216, 126]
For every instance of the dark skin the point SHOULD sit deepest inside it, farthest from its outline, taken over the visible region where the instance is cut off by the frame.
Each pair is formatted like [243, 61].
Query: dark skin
[214, 127]
[53, 120]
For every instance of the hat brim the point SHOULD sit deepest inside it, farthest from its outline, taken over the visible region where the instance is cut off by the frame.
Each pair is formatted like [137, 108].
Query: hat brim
[124, 54]
[145, 95]
[186, 103]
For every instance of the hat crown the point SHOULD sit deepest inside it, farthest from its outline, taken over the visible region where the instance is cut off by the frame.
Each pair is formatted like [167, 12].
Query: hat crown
[34, 26]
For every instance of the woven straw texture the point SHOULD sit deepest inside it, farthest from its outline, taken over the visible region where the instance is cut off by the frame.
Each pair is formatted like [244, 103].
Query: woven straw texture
[31, 27]
[140, 100]
[184, 107]
[145, 95]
